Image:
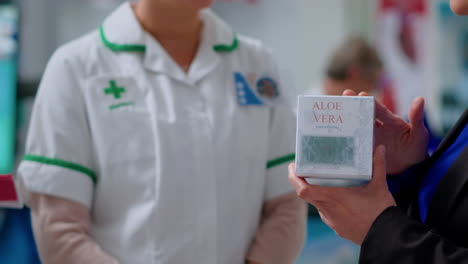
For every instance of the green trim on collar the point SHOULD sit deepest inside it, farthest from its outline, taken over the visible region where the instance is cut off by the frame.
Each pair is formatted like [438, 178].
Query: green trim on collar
[120, 47]
[220, 48]
[281, 160]
[63, 164]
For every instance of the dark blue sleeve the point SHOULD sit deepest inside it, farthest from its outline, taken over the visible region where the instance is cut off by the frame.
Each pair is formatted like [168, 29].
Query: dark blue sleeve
[406, 184]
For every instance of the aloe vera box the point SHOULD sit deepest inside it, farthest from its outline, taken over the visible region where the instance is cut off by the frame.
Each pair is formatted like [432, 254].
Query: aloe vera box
[335, 138]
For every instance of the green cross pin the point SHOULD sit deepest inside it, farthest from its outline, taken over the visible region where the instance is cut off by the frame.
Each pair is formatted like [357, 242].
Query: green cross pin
[115, 90]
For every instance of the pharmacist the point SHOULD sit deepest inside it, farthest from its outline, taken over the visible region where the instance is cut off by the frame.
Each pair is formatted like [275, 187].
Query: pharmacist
[162, 138]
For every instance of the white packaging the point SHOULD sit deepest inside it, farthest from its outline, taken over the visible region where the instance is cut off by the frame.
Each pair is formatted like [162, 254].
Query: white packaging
[334, 142]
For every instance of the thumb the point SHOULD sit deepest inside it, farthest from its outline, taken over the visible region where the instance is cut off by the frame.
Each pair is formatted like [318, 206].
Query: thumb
[379, 177]
[416, 114]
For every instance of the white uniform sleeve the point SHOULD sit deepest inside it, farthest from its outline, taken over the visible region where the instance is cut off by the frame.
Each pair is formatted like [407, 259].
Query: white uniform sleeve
[281, 141]
[281, 152]
[58, 158]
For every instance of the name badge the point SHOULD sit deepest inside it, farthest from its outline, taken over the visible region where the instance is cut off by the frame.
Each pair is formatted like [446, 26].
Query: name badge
[266, 89]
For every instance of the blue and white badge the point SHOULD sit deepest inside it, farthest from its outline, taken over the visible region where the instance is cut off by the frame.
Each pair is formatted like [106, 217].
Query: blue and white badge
[266, 89]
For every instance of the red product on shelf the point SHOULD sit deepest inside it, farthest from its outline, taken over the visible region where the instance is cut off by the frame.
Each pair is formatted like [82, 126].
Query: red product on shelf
[7, 189]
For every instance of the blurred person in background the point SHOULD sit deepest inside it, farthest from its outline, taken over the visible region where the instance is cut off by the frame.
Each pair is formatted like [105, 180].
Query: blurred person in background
[355, 65]
[162, 138]
[424, 219]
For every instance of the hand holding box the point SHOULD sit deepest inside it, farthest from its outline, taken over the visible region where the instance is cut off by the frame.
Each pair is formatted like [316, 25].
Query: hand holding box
[335, 138]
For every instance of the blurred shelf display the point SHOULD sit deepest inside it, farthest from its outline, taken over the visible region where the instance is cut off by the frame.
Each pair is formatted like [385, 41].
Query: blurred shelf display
[453, 66]
[9, 16]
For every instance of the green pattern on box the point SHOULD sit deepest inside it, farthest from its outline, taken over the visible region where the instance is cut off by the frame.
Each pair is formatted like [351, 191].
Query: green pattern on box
[318, 150]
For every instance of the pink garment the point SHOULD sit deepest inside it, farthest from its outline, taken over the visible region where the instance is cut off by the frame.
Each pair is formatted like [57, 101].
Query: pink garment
[61, 229]
[280, 236]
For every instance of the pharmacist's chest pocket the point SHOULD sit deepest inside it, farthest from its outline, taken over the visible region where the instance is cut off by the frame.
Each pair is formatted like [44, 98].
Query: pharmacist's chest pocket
[120, 120]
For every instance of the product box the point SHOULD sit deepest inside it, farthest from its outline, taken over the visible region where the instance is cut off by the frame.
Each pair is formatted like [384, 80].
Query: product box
[334, 141]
